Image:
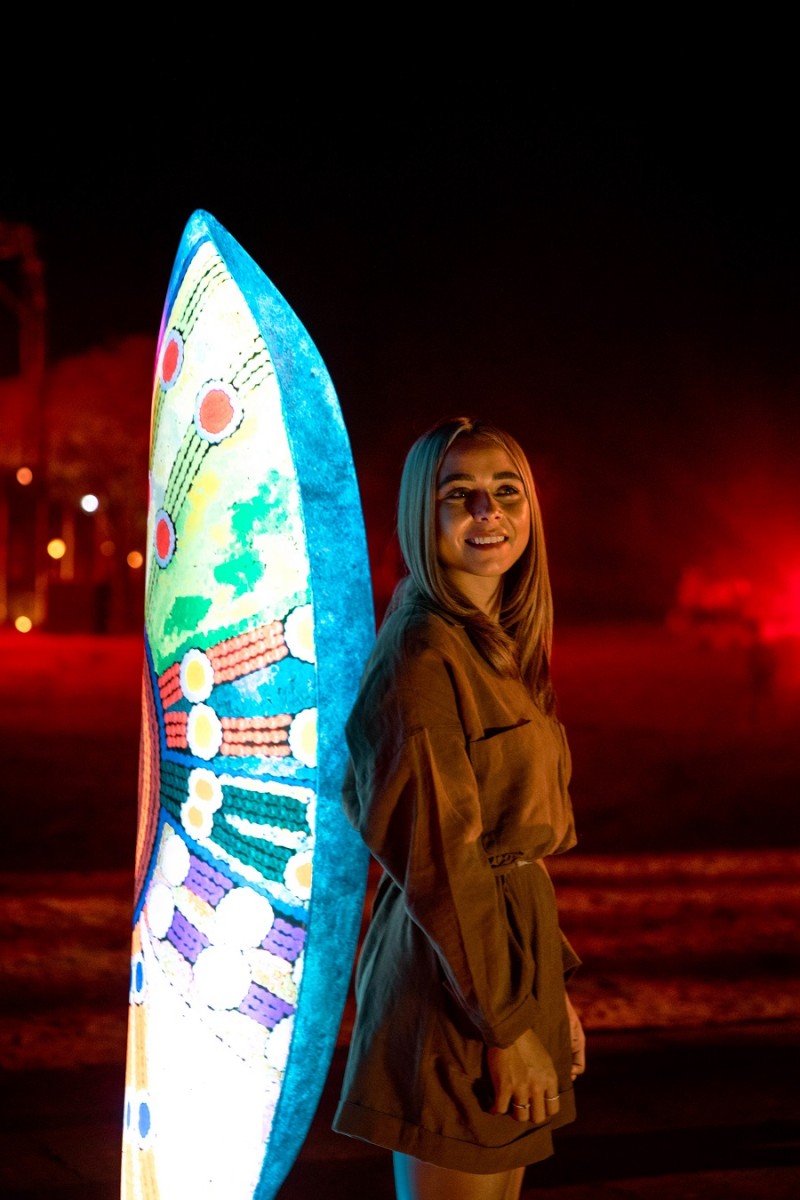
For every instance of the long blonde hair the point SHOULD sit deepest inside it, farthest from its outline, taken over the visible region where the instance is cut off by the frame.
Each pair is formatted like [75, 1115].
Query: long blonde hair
[521, 642]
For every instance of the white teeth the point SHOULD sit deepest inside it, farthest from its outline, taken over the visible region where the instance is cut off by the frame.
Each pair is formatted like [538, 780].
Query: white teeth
[485, 541]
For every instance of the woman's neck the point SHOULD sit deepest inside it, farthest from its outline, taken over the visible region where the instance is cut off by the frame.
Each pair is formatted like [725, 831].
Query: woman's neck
[485, 594]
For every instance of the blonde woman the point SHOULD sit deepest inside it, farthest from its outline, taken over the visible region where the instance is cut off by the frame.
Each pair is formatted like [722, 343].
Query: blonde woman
[465, 1046]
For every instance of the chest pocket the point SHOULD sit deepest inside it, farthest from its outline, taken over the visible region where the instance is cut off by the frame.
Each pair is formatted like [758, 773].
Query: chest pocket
[501, 760]
[518, 777]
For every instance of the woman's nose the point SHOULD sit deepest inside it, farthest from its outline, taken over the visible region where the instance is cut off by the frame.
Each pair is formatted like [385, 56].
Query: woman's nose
[483, 505]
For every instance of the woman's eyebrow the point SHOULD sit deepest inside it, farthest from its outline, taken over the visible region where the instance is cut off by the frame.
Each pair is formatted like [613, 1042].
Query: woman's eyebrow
[471, 478]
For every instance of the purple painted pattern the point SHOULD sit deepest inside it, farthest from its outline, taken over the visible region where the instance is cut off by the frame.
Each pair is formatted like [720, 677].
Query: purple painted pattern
[285, 940]
[263, 1007]
[206, 882]
[185, 938]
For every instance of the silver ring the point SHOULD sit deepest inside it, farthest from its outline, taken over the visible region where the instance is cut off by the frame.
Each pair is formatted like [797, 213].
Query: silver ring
[520, 1105]
[551, 1099]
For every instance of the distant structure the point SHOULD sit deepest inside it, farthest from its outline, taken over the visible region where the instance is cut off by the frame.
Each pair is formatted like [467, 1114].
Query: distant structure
[23, 501]
[27, 303]
[714, 610]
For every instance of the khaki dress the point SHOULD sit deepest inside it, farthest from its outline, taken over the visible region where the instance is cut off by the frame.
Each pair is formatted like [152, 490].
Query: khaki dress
[457, 784]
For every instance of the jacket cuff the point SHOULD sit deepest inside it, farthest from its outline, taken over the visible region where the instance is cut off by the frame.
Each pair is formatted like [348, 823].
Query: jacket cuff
[507, 1032]
[569, 958]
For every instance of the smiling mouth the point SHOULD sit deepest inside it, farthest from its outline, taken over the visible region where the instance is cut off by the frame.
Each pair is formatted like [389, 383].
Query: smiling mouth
[493, 540]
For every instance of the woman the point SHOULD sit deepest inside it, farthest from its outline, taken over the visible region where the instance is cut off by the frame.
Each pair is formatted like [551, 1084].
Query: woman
[465, 1046]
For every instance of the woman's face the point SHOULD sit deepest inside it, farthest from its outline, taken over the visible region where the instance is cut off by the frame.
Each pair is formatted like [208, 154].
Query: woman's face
[483, 519]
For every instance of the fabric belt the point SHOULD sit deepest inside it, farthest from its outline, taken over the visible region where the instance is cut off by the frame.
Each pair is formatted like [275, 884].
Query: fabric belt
[504, 864]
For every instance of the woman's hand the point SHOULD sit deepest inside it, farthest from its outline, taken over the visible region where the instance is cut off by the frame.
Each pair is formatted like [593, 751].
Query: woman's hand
[577, 1040]
[524, 1079]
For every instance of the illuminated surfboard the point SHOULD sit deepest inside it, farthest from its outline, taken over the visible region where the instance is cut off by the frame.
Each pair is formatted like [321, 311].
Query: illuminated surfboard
[258, 618]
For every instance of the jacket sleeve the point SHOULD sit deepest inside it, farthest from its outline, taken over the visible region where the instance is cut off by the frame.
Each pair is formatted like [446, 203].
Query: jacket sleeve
[414, 799]
[569, 959]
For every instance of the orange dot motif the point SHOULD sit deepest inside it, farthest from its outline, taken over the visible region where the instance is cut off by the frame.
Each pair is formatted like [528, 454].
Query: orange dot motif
[171, 359]
[164, 538]
[218, 411]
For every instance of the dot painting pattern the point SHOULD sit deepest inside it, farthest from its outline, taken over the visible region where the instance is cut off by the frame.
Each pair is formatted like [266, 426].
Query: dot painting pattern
[232, 823]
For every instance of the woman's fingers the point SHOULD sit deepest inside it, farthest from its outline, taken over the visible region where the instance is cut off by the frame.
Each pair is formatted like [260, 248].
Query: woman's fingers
[552, 1105]
[524, 1080]
[542, 1107]
[578, 1056]
[577, 1041]
[546, 1105]
[578, 1066]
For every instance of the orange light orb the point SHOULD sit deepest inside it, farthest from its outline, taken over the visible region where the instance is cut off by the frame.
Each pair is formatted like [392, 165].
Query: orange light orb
[24, 476]
[23, 624]
[56, 547]
[135, 559]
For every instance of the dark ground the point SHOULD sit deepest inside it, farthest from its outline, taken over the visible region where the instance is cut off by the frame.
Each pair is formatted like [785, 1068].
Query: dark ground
[682, 897]
[693, 1115]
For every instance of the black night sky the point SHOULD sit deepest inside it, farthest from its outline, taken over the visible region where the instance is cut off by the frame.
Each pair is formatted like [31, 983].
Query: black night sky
[616, 284]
